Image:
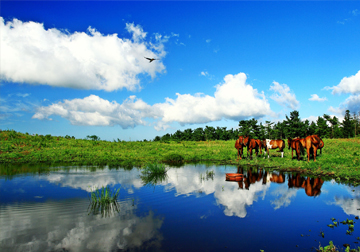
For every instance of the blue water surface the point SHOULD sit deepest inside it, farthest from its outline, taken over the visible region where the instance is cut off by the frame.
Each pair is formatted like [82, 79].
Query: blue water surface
[193, 209]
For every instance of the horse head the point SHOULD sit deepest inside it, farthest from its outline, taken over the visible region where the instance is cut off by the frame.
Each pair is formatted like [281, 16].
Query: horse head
[246, 140]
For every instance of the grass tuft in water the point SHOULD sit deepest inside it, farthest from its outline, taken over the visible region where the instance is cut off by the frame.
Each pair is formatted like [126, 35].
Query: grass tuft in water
[154, 168]
[153, 174]
[104, 201]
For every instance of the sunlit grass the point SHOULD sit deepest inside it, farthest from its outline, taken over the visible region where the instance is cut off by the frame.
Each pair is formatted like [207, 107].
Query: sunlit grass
[340, 157]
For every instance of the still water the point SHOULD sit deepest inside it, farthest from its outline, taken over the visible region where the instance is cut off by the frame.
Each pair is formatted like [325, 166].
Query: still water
[192, 209]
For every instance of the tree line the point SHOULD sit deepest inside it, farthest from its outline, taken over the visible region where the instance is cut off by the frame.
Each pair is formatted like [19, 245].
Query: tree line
[325, 127]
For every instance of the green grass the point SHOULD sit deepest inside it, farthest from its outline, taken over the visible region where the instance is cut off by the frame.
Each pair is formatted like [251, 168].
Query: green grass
[340, 158]
[104, 201]
[153, 174]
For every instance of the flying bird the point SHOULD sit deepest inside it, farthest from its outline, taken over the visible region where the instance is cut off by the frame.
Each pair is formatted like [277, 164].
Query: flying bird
[151, 60]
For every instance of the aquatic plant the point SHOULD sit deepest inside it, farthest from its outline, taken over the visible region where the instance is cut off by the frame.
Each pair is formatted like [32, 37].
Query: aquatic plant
[153, 174]
[104, 201]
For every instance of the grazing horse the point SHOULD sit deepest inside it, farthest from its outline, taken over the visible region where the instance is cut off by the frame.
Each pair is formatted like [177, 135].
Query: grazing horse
[312, 141]
[274, 144]
[296, 144]
[239, 144]
[252, 144]
[321, 145]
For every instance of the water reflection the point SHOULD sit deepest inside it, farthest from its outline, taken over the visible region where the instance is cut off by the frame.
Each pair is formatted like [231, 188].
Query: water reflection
[50, 212]
[63, 226]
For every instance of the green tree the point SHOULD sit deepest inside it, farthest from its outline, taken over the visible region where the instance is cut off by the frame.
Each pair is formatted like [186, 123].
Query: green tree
[279, 130]
[312, 129]
[255, 128]
[294, 126]
[244, 128]
[198, 134]
[322, 129]
[348, 125]
[334, 122]
[262, 132]
[188, 136]
[209, 133]
[269, 131]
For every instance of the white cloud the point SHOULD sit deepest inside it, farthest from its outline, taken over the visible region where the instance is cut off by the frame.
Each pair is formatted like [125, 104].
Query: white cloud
[315, 97]
[355, 12]
[233, 99]
[208, 40]
[352, 103]
[204, 73]
[31, 54]
[137, 31]
[93, 110]
[347, 85]
[283, 96]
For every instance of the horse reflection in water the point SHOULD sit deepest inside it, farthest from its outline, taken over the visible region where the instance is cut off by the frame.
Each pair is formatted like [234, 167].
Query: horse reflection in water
[312, 186]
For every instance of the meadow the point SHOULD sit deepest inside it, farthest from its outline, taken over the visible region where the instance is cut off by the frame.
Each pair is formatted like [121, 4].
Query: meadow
[340, 158]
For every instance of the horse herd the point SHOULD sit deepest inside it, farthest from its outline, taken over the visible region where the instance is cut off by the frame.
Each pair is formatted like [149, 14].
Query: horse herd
[313, 142]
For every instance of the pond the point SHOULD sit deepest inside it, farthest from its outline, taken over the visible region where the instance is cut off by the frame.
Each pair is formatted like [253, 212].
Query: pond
[192, 209]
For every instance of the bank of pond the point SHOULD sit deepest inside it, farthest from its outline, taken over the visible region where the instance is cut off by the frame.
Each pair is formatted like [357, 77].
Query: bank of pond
[339, 158]
[191, 207]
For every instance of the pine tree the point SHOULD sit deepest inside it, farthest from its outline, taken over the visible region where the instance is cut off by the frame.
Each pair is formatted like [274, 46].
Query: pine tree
[294, 126]
[347, 125]
[322, 129]
[244, 128]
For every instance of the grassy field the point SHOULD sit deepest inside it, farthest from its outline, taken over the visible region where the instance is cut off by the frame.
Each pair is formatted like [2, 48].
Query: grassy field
[340, 158]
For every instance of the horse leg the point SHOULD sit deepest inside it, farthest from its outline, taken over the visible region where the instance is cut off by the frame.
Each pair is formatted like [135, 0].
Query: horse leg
[315, 150]
[308, 153]
[282, 154]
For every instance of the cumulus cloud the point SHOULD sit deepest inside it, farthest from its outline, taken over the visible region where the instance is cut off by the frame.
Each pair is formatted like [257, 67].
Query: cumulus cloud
[352, 103]
[315, 97]
[283, 96]
[84, 60]
[347, 85]
[93, 110]
[233, 99]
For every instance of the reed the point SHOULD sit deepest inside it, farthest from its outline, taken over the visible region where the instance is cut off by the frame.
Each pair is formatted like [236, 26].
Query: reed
[153, 174]
[104, 201]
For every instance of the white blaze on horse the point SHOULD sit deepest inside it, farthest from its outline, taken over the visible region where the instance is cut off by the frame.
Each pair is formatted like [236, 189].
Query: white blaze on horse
[274, 144]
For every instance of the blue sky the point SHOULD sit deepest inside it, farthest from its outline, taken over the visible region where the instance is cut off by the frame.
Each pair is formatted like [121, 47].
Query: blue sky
[78, 68]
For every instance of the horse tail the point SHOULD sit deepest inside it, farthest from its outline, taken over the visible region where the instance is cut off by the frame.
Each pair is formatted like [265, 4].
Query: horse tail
[289, 142]
[302, 151]
[283, 145]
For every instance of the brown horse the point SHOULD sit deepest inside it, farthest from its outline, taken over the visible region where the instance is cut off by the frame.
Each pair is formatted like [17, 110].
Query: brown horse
[296, 144]
[252, 144]
[313, 142]
[321, 145]
[274, 144]
[239, 144]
